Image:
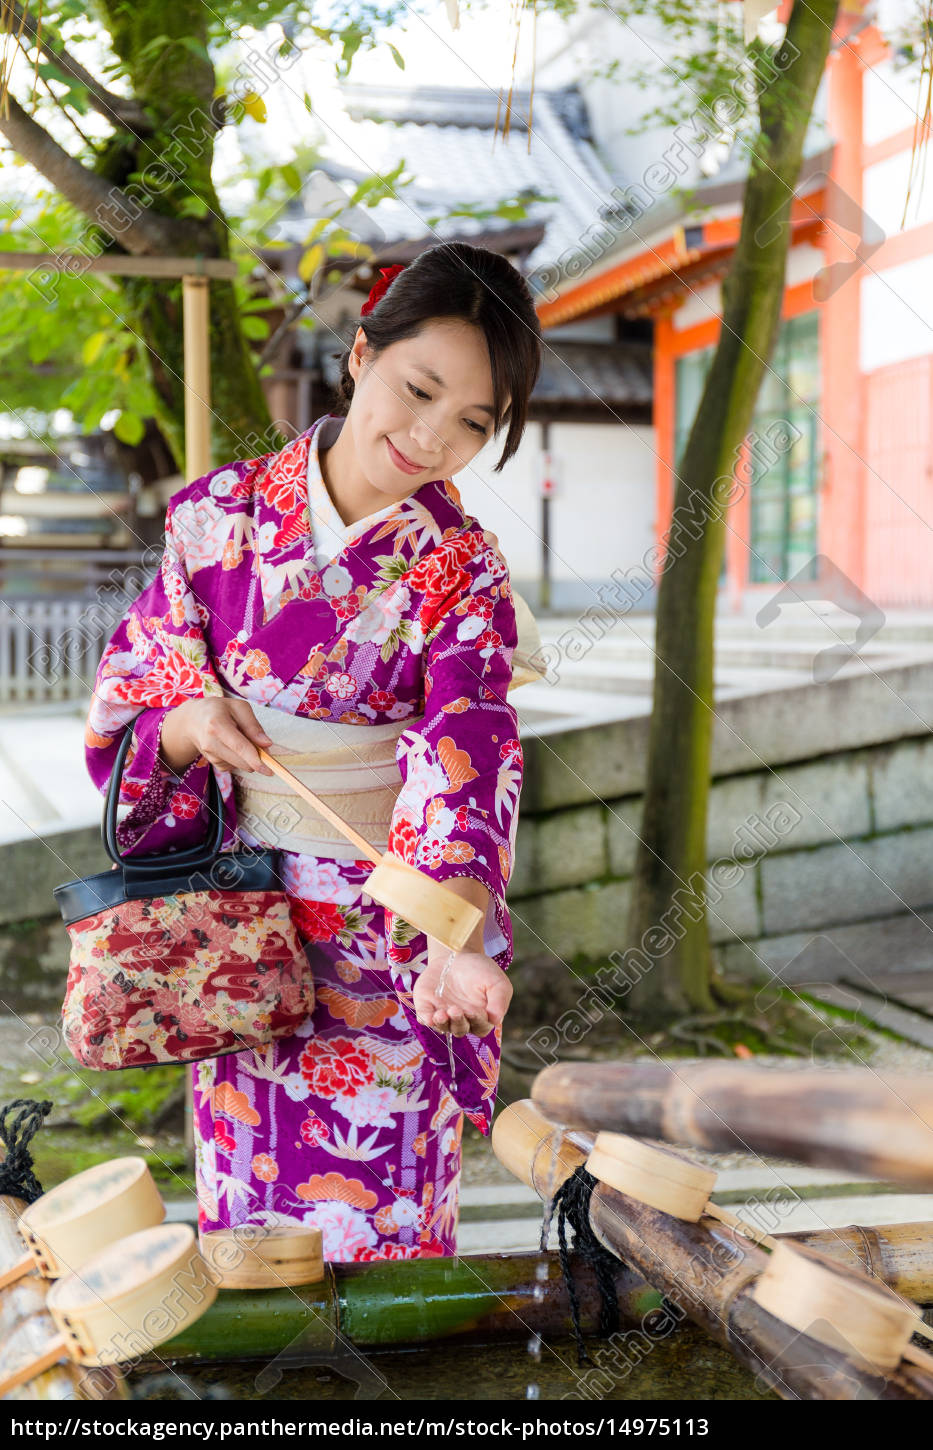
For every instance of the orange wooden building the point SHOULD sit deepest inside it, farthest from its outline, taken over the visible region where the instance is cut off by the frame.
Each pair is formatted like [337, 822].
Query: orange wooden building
[853, 367]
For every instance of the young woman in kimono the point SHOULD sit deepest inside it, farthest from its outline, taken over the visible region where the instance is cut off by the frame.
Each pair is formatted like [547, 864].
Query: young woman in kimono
[338, 582]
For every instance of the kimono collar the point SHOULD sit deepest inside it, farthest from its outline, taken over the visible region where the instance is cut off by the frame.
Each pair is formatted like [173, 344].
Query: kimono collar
[330, 535]
[284, 554]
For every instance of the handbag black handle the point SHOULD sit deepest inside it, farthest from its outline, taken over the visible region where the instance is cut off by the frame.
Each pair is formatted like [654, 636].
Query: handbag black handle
[160, 863]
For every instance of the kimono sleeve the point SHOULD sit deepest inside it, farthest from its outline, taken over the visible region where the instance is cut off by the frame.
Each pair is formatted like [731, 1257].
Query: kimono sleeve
[457, 811]
[156, 658]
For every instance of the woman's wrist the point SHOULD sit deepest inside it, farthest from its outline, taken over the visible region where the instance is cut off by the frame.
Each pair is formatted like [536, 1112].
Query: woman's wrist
[473, 891]
[175, 748]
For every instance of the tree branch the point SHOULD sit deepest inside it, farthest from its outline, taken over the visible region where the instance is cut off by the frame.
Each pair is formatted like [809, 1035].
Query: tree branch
[119, 110]
[139, 230]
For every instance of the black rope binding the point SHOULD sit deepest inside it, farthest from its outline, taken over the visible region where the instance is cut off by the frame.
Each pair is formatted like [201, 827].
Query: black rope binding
[16, 1170]
[572, 1201]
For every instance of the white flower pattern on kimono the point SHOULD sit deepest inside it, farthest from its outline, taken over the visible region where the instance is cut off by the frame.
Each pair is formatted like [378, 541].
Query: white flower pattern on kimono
[202, 528]
[425, 777]
[345, 1230]
[376, 622]
[313, 879]
[223, 483]
[337, 581]
[370, 1107]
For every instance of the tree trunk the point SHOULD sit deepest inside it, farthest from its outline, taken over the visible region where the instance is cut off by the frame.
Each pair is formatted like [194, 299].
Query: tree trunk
[175, 83]
[150, 192]
[667, 928]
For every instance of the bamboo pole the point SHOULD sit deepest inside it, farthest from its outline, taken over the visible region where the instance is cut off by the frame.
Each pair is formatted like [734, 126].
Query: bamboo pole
[478, 1299]
[900, 1255]
[878, 1125]
[709, 1271]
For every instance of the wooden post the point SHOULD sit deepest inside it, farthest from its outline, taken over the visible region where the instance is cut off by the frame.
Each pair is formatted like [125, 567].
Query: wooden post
[197, 376]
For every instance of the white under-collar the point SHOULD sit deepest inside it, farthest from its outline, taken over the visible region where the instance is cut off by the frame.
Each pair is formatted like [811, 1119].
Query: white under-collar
[330, 535]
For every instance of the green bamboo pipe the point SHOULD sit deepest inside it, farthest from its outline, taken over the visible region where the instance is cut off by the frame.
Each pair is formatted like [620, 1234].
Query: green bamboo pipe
[403, 1302]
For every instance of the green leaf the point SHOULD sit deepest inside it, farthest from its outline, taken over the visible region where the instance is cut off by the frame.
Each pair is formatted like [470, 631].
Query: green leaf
[291, 176]
[92, 346]
[264, 181]
[194, 206]
[153, 47]
[259, 304]
[396, 56]
[255, 327]
[129, 428]
[197, 47]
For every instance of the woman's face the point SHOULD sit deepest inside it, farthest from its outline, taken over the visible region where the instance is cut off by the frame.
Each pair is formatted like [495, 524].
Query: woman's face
[397, 405]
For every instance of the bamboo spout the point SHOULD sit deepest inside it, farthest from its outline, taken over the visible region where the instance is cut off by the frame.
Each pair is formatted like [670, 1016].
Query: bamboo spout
[877, 1126]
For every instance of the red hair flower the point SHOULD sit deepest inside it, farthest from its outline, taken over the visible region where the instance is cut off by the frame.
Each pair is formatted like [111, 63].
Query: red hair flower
[386, 278]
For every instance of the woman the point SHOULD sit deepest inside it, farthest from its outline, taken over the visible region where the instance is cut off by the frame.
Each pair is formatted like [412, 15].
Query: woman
[341, 580]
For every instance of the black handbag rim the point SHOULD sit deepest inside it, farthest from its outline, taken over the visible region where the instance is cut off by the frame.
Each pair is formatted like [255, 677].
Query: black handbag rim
[200, 856]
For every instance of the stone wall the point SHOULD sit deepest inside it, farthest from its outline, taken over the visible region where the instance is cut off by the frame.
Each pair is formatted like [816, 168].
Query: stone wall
[821, 816]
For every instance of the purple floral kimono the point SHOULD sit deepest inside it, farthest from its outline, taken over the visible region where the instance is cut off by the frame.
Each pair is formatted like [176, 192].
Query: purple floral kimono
[353, 1123]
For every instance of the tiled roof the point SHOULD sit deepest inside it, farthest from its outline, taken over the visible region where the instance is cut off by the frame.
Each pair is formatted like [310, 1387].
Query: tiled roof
[446, 136]
[613, 374]
[600, 375]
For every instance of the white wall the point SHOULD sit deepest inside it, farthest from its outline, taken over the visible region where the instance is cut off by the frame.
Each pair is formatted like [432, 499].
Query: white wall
[602, 516]
[884, 192]
[897, 314]
[890, 100]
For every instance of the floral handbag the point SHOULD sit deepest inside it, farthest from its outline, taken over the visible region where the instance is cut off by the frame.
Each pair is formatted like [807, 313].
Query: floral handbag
[180, 956]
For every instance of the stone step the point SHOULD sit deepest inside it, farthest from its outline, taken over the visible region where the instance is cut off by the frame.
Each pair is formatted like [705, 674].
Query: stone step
[738, 653]
[855, 996]
[499, 1217]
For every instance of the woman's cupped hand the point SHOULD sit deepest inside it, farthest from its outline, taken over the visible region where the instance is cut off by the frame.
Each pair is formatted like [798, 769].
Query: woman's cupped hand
[475, 998]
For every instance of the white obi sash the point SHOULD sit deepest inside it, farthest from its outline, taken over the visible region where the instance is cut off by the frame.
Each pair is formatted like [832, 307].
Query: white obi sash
[354, 771]
[351, 767]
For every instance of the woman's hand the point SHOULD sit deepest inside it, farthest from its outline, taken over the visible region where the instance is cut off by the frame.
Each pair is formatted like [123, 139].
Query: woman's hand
[476, 996]
[225, 731]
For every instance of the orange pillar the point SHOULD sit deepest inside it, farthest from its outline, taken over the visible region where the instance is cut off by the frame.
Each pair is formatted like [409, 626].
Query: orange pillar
[664, 423]
[841, 433]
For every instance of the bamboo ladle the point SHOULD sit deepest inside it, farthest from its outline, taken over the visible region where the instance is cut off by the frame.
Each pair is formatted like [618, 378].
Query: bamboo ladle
[255, 1257]
[83, 1215]
[136, 1294]
[426, 904]
[832, 1302]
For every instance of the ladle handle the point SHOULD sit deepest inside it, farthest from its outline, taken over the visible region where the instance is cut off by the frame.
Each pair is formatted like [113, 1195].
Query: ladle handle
[55, 1350]
[714, 1210]
[361, 844]
[17, 1271]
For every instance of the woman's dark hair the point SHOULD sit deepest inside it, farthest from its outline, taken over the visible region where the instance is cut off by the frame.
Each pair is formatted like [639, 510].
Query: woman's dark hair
[475, 285]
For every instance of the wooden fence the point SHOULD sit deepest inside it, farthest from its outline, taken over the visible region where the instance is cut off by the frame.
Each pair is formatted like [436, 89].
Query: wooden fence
[57, 612]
